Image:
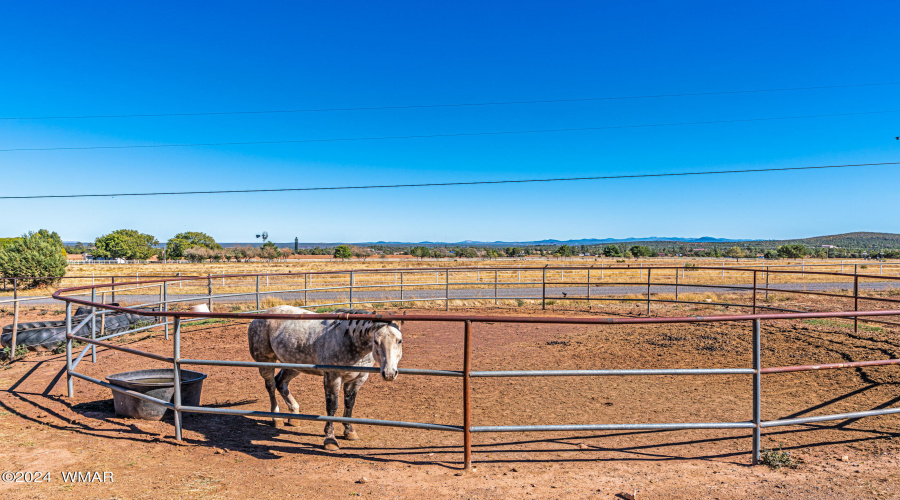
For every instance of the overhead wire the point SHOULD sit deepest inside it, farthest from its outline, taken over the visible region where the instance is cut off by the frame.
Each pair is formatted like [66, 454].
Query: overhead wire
[459, 183]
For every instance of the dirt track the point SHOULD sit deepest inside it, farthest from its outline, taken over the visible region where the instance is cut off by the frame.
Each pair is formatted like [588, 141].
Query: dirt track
[238, 457]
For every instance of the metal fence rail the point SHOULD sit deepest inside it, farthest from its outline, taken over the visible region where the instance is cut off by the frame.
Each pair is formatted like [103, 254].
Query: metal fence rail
[467, 322]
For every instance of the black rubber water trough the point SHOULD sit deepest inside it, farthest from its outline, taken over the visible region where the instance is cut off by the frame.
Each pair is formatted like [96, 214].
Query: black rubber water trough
[159, 384]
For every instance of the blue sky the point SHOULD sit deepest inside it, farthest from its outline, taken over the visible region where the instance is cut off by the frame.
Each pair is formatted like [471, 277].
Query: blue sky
[72, 58]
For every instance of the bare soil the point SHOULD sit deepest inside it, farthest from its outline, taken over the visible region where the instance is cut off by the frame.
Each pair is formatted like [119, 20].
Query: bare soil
[237, 457]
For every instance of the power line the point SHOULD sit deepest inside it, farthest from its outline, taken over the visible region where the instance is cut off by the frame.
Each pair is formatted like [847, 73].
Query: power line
[443, 184]
[432, 136]
[448, 105]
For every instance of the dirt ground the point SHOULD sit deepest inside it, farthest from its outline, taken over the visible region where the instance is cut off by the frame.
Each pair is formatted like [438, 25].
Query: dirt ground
[237, 457]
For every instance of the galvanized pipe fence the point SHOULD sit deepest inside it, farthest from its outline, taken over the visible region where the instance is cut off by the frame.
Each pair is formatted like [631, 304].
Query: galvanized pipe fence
[174, 319]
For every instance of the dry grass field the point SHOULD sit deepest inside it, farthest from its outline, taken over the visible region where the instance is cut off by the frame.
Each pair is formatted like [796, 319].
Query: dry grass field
[229, 457]
[510, 272]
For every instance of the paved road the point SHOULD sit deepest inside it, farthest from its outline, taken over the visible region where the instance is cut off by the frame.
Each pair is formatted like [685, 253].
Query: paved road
[509, 292]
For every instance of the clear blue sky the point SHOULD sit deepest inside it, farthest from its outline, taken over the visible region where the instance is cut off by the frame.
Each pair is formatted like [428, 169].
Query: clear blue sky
[73, 58]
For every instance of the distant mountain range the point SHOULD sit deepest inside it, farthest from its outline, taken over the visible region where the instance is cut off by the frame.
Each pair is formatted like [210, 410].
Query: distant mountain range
[862, 240]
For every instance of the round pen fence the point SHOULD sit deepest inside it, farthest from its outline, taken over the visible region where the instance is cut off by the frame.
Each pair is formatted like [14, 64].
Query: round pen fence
[446, 286]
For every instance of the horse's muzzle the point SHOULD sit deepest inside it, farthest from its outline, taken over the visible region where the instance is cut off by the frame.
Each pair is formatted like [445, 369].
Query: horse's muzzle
[389, 374]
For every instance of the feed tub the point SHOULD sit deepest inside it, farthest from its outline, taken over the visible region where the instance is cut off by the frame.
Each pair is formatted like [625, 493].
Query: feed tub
[158, 384]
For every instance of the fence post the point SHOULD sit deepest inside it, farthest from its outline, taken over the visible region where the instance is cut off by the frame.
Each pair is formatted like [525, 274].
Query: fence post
[165, 307]
[70, 389]
[401, 289]
[352, 279]
[589, 288]
[648, 290]
[447, 290]
[305, 288]
[93, 326]
[855, 300]
[113, 283]
[544, 288]
[177, 377]
[467, 396]
[12, 349]
[257, 294]
[209, 292]
[757, 391]
[496, 278]
[754, 292]
[676, 284]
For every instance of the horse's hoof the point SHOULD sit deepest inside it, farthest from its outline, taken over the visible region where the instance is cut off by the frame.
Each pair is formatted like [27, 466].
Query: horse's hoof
[293, 422]
[277, 422]
[331, 445]
[351, 436]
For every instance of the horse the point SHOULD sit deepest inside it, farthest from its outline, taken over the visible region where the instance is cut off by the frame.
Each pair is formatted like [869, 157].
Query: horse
[324, 342]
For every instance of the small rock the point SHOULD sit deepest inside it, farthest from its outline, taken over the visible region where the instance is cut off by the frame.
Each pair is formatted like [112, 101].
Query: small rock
[220, 451]
[362, 480]
[514, 470]
[583, 446]
[845, 458]
[627, 496]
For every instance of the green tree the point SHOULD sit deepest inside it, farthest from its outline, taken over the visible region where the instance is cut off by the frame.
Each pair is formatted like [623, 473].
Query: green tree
[641, 251]
[176, 246]
[793, 251]
[420, 252]
[342, 252]
[734, 252]
[512, 251]
[612, 251]
[125, 244]
[41, 255]
[564, 251]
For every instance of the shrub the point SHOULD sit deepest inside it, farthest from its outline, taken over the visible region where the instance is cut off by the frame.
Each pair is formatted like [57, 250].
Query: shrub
[777, 459]
[39, 254]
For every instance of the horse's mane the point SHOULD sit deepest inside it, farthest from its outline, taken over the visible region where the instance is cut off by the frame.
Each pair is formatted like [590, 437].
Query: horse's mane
[349, 310]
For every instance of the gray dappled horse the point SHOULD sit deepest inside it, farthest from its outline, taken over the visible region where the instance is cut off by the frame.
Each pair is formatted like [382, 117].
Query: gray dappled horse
[324, 342]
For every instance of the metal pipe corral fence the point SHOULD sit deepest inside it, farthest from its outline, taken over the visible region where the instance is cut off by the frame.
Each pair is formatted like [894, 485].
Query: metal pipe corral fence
[410, 282]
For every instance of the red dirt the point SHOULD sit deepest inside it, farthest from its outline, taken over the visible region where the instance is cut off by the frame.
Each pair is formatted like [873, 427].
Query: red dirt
[223, 456]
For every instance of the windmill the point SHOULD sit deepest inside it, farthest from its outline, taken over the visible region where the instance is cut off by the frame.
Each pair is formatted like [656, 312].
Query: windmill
[264, 236]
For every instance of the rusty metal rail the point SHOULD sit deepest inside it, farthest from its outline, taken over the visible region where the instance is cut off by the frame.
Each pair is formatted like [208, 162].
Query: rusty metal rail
[467, 322]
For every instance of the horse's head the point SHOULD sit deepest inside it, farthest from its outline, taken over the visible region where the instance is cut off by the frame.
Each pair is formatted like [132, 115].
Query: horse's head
[387, 346]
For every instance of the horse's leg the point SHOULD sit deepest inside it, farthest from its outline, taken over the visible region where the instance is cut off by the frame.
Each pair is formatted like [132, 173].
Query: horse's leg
[332, 391]
[350, 390]
[268, 374]
[283, 381]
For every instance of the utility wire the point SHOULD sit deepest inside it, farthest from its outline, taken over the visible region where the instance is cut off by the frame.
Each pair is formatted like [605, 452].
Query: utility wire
[463, 183]
[431, 136]
[449, 105]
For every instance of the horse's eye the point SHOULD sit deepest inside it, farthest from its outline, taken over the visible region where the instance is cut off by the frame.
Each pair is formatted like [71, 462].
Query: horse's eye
[400, 341]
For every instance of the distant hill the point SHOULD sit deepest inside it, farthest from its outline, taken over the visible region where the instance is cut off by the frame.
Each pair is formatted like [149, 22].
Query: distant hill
[860, 240]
